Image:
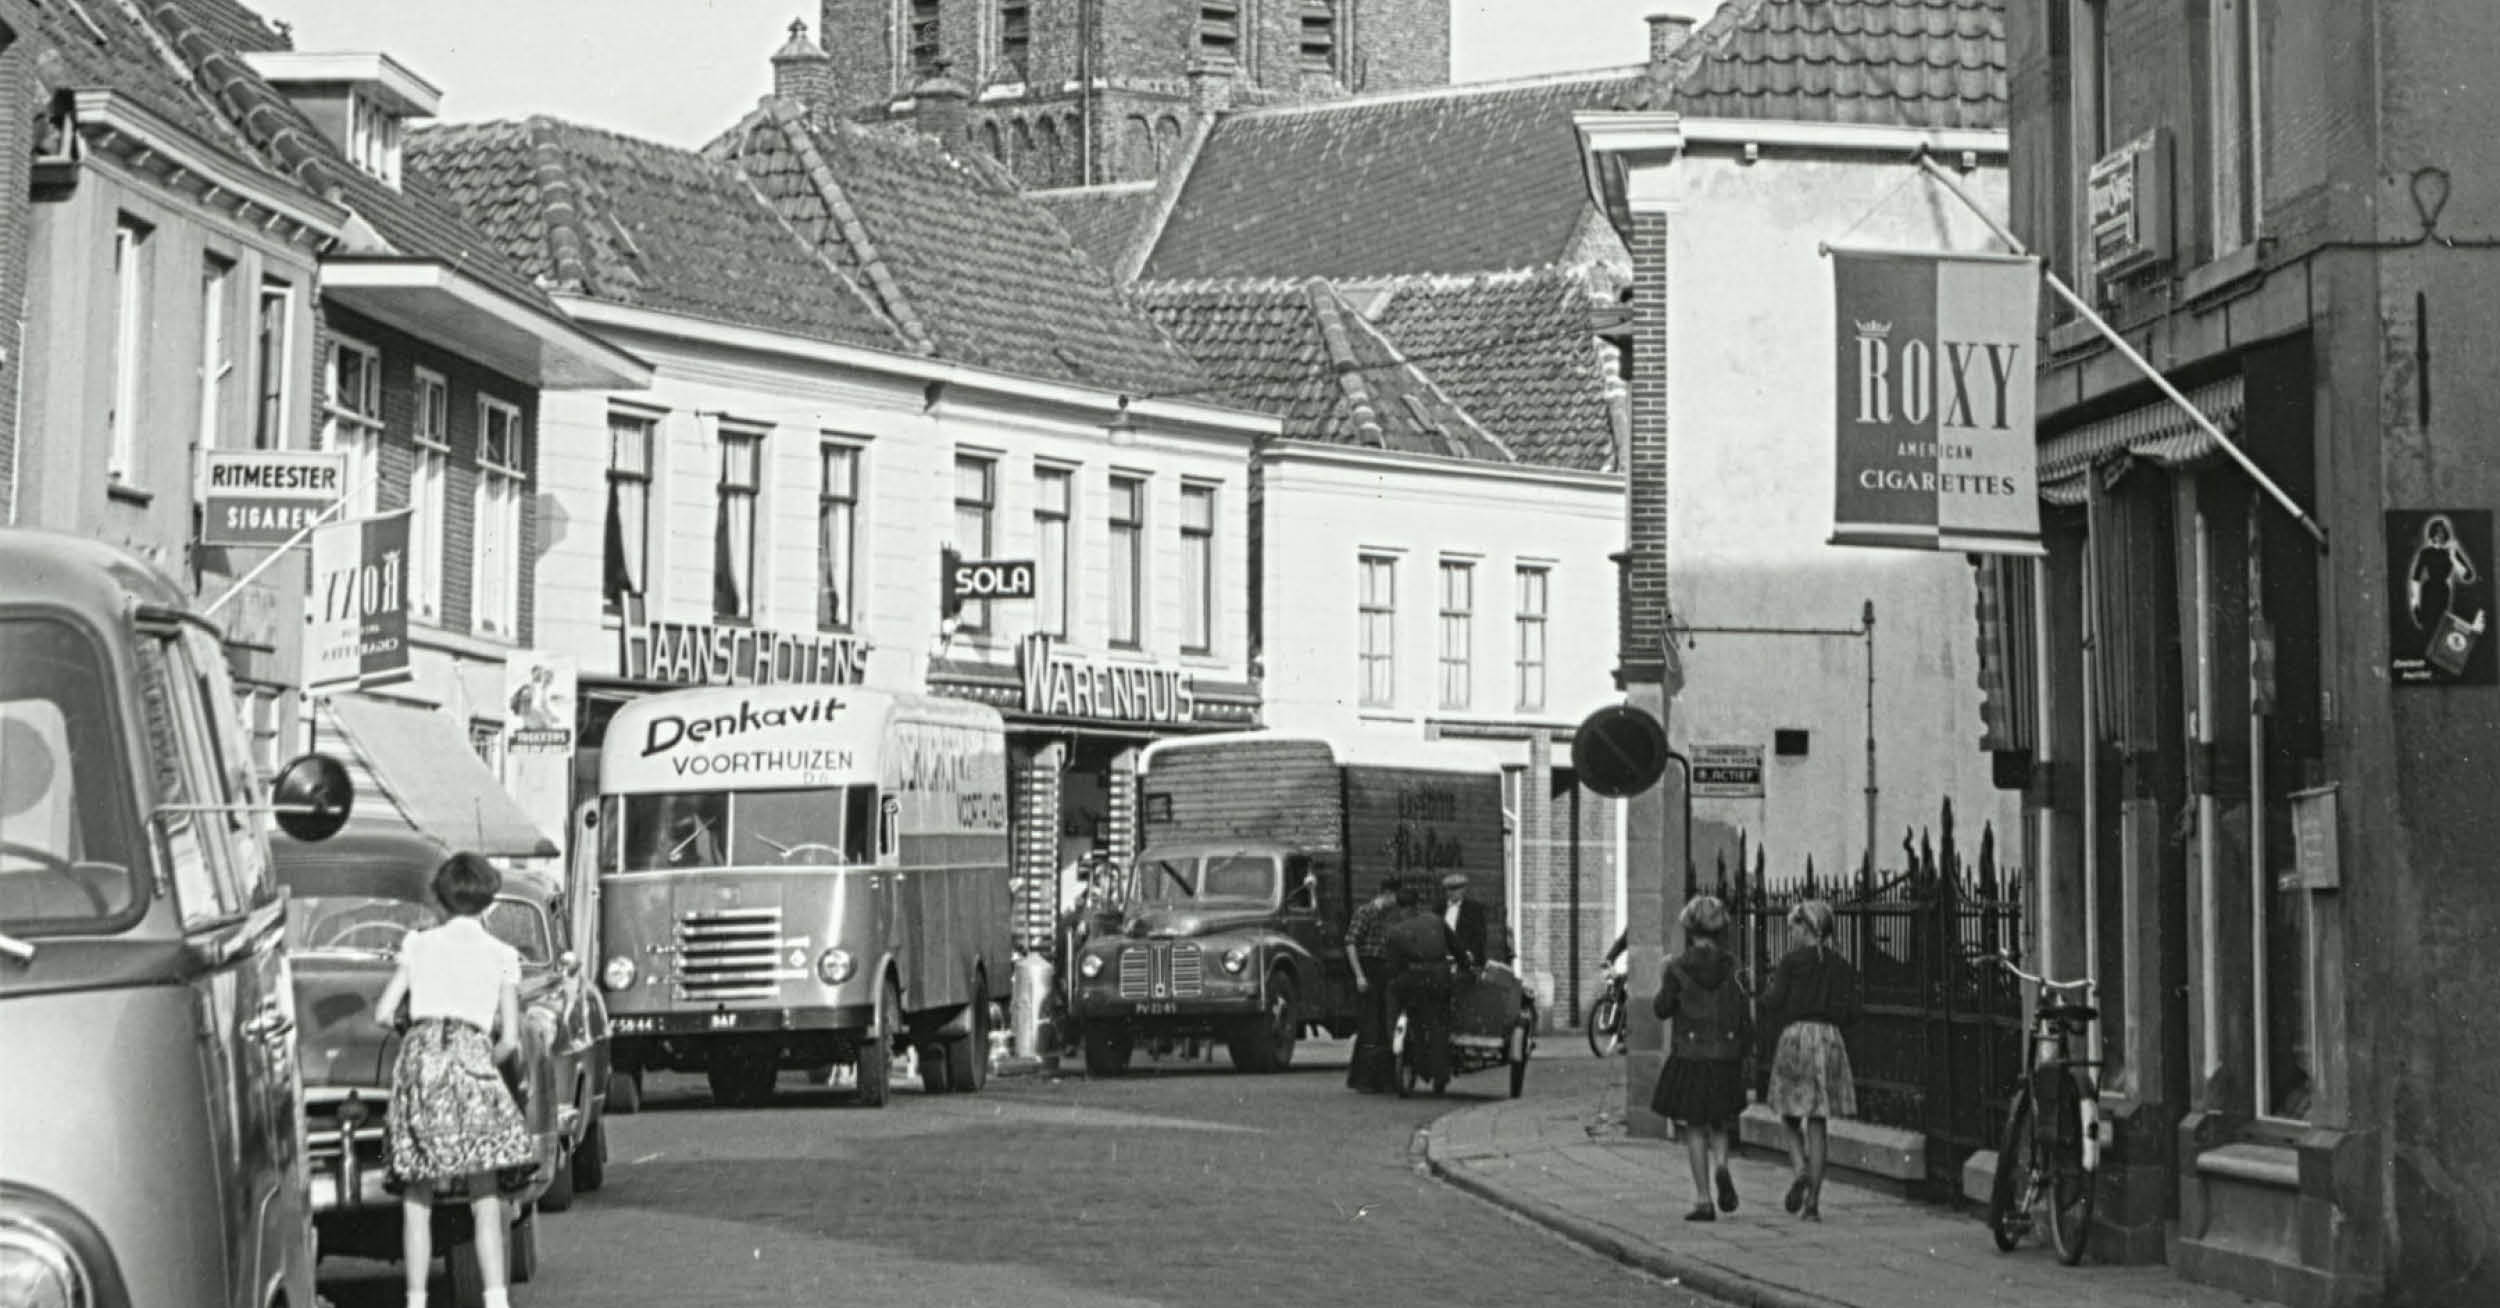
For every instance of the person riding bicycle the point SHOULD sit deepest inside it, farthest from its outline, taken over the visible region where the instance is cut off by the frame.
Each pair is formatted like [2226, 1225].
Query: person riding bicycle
[1418, 953]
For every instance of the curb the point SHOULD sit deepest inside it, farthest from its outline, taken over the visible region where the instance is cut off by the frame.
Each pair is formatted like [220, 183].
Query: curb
[1697, 1274]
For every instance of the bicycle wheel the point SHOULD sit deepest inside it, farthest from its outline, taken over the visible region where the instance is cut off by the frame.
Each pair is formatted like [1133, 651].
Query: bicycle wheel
[1605, 1024]
[2009, 1199]
[2070, 1187]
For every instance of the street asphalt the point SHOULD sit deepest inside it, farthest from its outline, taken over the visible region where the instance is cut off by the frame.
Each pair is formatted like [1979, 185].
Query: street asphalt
[1182, 1183]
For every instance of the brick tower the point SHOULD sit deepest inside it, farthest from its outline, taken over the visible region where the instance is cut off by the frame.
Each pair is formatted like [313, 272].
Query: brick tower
[1155, 66]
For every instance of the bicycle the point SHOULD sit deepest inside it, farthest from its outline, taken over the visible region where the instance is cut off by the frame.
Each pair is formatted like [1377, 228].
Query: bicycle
[1605, 1023]
[2051, 1148]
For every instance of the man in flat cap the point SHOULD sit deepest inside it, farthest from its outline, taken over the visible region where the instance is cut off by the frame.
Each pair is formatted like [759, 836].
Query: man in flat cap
[1465, 919]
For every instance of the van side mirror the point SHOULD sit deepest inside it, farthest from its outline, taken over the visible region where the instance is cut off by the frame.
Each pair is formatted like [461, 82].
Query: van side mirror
[312, 797]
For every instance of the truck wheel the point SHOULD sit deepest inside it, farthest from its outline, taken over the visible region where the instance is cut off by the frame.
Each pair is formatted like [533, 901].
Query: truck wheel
[1265, 1043]
[968, 1059]
[876, 1051]
[1107, 1050]
[590, 1157]
[624, 1093]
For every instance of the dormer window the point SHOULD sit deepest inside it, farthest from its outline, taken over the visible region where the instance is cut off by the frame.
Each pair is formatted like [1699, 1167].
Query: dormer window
[362, 102]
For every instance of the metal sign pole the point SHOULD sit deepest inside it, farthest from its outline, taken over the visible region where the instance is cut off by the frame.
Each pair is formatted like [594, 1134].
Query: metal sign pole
[2129, 353]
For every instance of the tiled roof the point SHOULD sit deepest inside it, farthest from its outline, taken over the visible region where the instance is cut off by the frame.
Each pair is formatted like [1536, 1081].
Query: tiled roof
[410, 220]
[107, 47]
[1455, 180]
[636, 222]
[239, 27]
[1900, 63]
[1104, 221]
[949, 248]
[1519, 351]
[1299, 350]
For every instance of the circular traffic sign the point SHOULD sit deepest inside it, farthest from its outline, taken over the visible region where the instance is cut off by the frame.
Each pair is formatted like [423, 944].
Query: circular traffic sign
[1619, 751]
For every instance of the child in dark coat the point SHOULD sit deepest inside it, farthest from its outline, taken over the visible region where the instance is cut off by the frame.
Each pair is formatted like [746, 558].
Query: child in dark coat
[1703, 1086]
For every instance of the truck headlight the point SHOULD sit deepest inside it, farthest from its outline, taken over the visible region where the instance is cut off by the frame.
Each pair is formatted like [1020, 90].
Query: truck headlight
[39, 1270]
[834, 966]
[618, 973]
[1091, 967]
[1236, 958]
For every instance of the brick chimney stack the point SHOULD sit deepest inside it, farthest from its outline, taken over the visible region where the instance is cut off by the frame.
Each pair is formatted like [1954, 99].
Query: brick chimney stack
[1667, 35]
[939, 107]
[802, 71]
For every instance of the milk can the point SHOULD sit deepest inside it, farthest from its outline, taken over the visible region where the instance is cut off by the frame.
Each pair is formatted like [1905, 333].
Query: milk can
[1032, 994]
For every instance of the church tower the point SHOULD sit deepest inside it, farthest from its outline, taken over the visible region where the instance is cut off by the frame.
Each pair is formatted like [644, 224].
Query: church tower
[1154, 68]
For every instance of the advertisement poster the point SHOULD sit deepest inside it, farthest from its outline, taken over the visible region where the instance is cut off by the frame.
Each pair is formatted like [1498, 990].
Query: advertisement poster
[357, 616]
[538, 702]
[2439, 598]
[1935, 435]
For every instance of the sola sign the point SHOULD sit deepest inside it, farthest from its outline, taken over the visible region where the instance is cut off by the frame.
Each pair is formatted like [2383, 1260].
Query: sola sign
[1935, 364]
[357, 632]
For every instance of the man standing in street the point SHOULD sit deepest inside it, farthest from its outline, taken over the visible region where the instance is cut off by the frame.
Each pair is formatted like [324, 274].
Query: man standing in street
[1420, 950]
[1465, 919]
[1366, 952]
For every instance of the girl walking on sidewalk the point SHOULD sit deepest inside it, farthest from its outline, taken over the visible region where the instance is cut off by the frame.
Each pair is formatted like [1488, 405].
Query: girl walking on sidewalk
[1703, 1086]
[452, 1119]
[1812, 995]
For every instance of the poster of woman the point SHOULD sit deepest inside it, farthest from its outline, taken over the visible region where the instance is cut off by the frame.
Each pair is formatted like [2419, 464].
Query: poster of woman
[2440, 600]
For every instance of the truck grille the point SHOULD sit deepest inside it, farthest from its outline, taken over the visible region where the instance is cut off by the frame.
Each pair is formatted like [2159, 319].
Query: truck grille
[324, 1135]
[1163, 972]
[734, 953]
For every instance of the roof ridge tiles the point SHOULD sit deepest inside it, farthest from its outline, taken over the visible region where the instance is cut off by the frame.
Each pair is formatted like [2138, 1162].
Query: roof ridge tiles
[560, 211]
[1424, 378]
[1453, 91]
[1331, 312]
[792, 121]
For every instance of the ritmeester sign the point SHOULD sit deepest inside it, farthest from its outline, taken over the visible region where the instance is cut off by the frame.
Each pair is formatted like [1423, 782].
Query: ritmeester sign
[1064, 685]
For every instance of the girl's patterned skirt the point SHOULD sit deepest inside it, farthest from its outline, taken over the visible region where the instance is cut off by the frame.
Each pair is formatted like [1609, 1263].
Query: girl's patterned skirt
[451, 1115]
[1810, 1074]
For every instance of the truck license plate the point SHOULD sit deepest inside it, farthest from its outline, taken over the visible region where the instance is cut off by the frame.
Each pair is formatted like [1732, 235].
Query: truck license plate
[1153, 1007]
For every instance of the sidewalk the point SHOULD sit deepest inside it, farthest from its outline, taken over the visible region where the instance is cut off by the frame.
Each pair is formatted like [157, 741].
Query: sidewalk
[1567, 1166]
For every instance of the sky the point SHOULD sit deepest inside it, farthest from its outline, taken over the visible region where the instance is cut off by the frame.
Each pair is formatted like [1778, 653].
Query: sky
[682, 70]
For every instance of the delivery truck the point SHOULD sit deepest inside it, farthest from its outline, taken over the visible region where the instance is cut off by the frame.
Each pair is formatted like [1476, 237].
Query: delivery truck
[1255, 849]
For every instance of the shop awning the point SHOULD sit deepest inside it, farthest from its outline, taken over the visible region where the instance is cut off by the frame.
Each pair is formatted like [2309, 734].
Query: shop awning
[2158, 431]
[412, 765]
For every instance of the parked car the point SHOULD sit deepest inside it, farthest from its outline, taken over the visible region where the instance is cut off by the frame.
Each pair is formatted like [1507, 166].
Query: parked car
[351, 902]
[150, 1146]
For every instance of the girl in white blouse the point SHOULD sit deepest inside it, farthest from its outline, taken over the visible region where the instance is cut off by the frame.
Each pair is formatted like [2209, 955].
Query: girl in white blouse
[453, 1124]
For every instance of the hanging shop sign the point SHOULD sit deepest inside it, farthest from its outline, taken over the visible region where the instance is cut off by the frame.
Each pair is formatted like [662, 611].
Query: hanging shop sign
[1727, 772]
[264, 497]
[2125, 192]
[986, 579]
[357, 619]
[1063, 685]
[701, 654]
[2439, 598]
[1935, 425]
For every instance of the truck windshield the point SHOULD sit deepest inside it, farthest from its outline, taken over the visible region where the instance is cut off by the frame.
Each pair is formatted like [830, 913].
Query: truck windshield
[66, 843]
[828, 827]
[1193, 879]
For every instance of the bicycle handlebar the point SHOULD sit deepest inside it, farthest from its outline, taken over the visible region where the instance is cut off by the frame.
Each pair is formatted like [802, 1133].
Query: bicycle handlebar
[2006, 961]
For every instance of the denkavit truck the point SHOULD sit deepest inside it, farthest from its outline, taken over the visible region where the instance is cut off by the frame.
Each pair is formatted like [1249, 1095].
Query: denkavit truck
[798, 877]
[1256, 848]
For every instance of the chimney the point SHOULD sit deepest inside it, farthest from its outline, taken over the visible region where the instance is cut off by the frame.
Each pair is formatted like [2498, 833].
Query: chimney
[802, 71]
[1667, 35]
[938, 107]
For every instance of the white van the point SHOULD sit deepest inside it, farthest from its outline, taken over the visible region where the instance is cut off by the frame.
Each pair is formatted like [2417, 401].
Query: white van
[797, 877]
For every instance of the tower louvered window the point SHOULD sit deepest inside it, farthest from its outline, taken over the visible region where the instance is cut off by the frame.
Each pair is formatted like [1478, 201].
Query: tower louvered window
[1319, 35]
[925, 49]
[1015, 36]
[1219, 28]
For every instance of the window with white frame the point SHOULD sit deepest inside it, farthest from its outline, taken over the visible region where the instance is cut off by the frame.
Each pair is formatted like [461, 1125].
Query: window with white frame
[625, 566]
[1458, 633]
[351, 424]
[733, 523]
[976, 513]
[374, 136]
[216, 349]
[837, 536]
[272, 326]
[1377, 609]
[1054, 491]
[495, 598]
[1197, 569]
[1528, 617]
[429, 496]
[130, 338]
[1128, 561]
